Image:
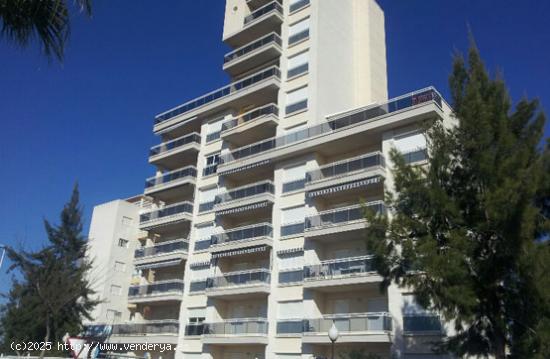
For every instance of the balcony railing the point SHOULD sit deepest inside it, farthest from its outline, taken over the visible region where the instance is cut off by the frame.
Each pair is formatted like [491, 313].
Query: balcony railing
[255, 276]
[422, 323]
[342, 215]
[197, 286]
[162, 248]
[189, 171]
[270, 109]
[169, 286]
[337, 268]
[291, 276]
[298, 37]
[243, 233]
[194, 329]
[221, 93]
[341, 168]
[346, 323]
[342, 122]
[202, 244]
[241, 326]
[270, 39]
[271, 7]
[176, 208]
[151, 327]
[289, 229]
[173, 144]
[246, 191]
[298, 5]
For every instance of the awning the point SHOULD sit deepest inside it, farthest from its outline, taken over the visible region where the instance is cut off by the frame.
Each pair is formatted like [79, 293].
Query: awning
[159, 264]
[252, 165]
[290, 251]
[199, 264]
[250, 207]
[346, 186]
[239, 252]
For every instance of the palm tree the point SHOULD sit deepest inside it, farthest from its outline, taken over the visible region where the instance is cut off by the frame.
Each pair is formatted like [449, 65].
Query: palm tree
[44, 20]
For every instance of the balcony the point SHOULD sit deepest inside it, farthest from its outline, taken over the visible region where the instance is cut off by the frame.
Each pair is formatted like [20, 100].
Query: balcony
[347, 178]
[240, 284]
[260, 22]
[237, 331]
[251, 126]
[332, 223]
[255, 4]
[177, 152]
[342, 131]
[174, 214]
[164, 291]
[245, 198]
[152, 331]
[252, 55]
[172, 185]
[168, 252]
[257, 88]
[422, 324]
[353, 328]
[253, 235]
[340, 272]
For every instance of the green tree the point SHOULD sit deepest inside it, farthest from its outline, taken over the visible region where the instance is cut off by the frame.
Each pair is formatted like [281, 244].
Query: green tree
[468, 230]
[44, 20]
[54, 295]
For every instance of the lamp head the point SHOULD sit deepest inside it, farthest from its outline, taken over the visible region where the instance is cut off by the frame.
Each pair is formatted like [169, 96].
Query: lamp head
[333, 333]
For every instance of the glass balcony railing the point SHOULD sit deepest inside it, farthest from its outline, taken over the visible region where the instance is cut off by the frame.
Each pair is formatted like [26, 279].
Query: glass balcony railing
[346, 323]
[151, 327]
[298, 37]
[246, 191]
[173, 144]
[342, 215]
[422, 323]
[339, 268]
[206, 206]
[271, 7]
[272, 72]
[291, 276]
[289, 229]
[415, 156]
[197, 286]
[176, 208]
[271, 39]
[162, 248]
[270, 109]
[190, 172]
[169, 286]
[342, 122]
[255, 276]
[202, 245]
[242, 326]
[298, 5]
[194, 329]
[243, 233]
[340, 168]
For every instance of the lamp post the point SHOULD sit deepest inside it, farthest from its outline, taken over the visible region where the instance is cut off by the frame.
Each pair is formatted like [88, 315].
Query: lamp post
[333, 335]
[3, 249]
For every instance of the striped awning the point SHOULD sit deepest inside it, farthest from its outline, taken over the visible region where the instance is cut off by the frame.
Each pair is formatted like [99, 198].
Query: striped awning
[239, 252]
[158, 264]
[154, 226]
[290, 251]
[252, 165]
[199, 264]
[346, 186]
[250, 207]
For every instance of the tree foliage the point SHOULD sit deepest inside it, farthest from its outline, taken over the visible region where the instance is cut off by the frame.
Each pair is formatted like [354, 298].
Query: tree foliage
[468, 230]
[53, 296]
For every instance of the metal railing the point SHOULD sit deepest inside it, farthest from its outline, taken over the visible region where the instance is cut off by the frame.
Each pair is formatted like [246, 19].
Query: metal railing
[342, 121]
[240, 326]
[422, 323]
[176, 208]
[339, 268]
[254, 114]
[169, 286]
[175, 143]
[243, 233]
[353, 322]
[162, 248]
[271, 7]
[272, 38]
[189, 171]
[246, 191]
[220, 93]
[340, 168]
[254, 276]
[169, 326]
[342, 215]
[298, 5]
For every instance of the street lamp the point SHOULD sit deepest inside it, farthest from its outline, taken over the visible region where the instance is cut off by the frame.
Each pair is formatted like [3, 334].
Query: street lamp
[3, 249]
[333, 335]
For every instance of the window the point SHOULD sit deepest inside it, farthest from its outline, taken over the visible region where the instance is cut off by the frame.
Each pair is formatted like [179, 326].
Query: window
[294, 178]
[113, 315]
[298, 31]
[199, 273]
[296, 100]
[418, 319]
[291, 310]
[120, 267]
[292, 220]
[115, 289]
[203, 234]
[296, 5]
[196, 315]
[291, 261]
[207, 198]
[412, 146]
[126, 221]
[298, 64]
[123, 243]
[211, 164]
[214, 129]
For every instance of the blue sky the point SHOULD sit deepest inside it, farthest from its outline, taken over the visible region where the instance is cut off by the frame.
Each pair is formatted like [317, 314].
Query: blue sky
[90, 119]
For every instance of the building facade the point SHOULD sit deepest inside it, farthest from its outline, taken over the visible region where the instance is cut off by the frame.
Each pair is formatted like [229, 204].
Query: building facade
[253, 245]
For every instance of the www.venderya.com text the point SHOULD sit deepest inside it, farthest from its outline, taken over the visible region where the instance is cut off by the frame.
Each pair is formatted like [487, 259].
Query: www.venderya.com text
[103, 347]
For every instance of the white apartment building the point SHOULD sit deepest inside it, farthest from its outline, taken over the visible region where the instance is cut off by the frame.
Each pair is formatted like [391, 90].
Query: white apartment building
[254, 246]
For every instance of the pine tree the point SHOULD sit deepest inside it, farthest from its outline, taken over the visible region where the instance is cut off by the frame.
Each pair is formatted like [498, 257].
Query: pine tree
[468, 230]
[54, 295]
